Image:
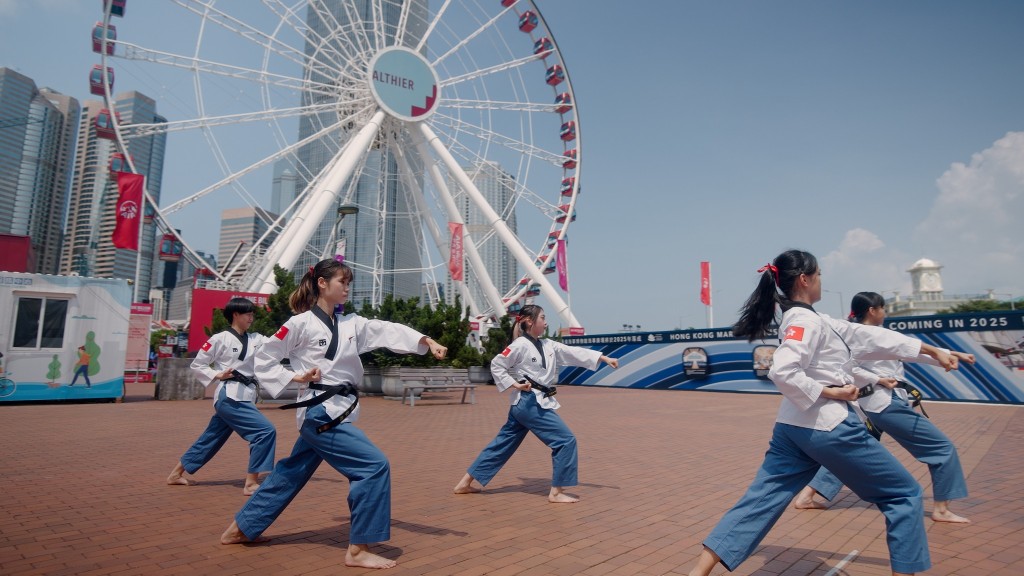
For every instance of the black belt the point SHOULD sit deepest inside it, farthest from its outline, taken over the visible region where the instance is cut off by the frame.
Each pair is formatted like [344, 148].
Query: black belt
[329, 392]
[861, 392]
[237, 376]
[548, 391]
[914, 394]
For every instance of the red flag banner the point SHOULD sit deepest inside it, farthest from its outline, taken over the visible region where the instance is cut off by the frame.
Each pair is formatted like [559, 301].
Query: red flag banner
[455, 256]
[705, 283]
[129, 210]
[562, 266]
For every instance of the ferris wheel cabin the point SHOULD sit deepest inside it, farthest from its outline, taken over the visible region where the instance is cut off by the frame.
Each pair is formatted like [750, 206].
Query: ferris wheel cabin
[555, 75]
[170, 248]
[568, 131]
[567, 185]
[563, 103]
[118, 163]
[543, 45]
[570, 159]
[96, 79]
[97, 38]
[528, 21]
[565, 215]
[105, 125]
[116, 7]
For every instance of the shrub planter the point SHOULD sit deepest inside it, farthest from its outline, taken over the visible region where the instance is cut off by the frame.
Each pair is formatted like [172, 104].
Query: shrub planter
[480, 375]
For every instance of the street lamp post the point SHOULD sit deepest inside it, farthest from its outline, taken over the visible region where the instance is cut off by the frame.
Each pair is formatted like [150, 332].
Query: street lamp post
[331, 247]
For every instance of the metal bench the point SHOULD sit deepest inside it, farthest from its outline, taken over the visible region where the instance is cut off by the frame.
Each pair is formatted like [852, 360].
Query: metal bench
[435, 379]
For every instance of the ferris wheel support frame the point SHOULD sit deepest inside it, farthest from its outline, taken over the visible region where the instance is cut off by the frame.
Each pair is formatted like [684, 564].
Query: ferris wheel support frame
[297, 232]
[500, 227]
[469, 248]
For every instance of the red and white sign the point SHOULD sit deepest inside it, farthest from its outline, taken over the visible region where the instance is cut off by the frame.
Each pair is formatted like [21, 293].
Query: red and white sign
[705, 283]
[129, 210]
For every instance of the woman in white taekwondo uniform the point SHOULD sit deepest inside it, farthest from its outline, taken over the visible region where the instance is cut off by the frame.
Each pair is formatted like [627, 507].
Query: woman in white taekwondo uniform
[323, 347]
[227, 358]
[813, 369]
[888, 410]
[530, 366]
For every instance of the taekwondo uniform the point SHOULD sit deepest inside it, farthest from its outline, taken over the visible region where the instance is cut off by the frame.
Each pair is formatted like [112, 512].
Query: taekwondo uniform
[533, 411]
[332, 343]
[813, 431]
[232, 402]
[889, 411]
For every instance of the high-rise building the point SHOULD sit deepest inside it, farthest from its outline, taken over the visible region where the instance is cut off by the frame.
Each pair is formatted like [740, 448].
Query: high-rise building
[88, 249]
[37, 147]
[498, 187]
[240, 230]
[384, 205]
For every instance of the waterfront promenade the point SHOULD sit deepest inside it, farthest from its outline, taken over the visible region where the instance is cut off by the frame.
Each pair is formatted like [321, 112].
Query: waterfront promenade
[83, 492]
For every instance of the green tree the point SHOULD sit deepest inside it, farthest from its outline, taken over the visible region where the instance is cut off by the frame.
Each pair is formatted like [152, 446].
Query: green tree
[982, 305]
[267, 320]
[53, 372]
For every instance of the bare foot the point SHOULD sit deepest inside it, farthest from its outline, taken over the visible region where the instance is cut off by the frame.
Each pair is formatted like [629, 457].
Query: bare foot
[177, 477]
[234, 536]
[559, 497]
[465, 486]
[808, 504]
[250, 489]
[359, 556]
[947, 516]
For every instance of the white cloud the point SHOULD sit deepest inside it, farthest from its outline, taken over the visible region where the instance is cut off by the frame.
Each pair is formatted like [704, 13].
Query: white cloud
[862, 262]
[975, 228]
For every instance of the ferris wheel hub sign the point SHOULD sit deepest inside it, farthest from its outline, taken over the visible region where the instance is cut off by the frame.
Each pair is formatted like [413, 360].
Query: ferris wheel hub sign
[403, 83]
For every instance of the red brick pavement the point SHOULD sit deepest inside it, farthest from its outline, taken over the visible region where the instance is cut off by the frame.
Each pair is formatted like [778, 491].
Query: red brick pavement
[83, 492]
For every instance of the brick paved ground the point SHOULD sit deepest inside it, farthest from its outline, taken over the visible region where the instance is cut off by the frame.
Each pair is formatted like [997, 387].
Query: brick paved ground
[83, 492]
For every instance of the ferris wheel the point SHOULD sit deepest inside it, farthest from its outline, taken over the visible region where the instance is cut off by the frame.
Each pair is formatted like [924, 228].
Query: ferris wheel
[440, 124]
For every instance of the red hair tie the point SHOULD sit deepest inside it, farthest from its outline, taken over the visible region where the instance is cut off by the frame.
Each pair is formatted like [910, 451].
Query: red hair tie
[771, 267]
[311, 273]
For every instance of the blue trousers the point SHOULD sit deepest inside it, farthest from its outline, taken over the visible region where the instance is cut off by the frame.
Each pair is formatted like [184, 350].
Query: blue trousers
[82, 371]
[528, 416]
[348, 450]
[234, 416]
[794, 456]
[923, 440]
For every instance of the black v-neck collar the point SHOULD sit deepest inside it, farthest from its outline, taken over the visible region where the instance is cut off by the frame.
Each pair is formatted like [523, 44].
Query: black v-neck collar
[540, 348]
[241, 338]
[332, 323]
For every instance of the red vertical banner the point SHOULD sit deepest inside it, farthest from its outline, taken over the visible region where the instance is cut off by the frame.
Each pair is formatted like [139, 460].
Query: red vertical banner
[705, 283]
[129, 210]
[455, 256]
[562, 266]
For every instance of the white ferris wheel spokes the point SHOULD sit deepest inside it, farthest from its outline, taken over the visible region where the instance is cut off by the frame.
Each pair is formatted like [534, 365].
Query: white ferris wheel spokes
[456, 112]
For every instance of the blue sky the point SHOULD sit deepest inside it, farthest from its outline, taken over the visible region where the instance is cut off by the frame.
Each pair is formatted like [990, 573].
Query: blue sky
[870, 133]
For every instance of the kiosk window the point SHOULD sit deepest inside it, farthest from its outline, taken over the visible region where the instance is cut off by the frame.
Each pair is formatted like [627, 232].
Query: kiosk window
[39, 323]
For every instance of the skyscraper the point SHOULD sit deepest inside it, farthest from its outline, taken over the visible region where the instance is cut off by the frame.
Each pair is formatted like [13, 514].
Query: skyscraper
[384, 205]
[37, 146]
[88, 249]
[245, 227]
[498, 188]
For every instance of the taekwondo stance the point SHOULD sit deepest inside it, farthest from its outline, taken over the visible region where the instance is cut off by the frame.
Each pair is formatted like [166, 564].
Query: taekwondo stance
[530, 366]
[227, 358]
[888, 411]
[813, 369]
[324, 347]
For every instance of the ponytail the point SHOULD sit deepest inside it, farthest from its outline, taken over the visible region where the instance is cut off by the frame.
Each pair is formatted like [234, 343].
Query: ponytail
[527, 316]
[306, 295]
[861, 303]
[774, 288]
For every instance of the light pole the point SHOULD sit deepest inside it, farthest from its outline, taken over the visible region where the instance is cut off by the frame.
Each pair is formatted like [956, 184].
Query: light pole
[331, 248]
[992, 294]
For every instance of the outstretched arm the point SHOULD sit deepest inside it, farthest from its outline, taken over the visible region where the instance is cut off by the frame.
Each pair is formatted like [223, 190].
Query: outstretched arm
[436, 349]
[613, 362]
[943, 357]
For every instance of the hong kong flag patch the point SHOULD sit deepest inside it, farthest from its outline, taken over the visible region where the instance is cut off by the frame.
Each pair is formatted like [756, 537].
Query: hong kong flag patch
[281, 333]
[506, 351]
[206, 347]
[795, 333]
